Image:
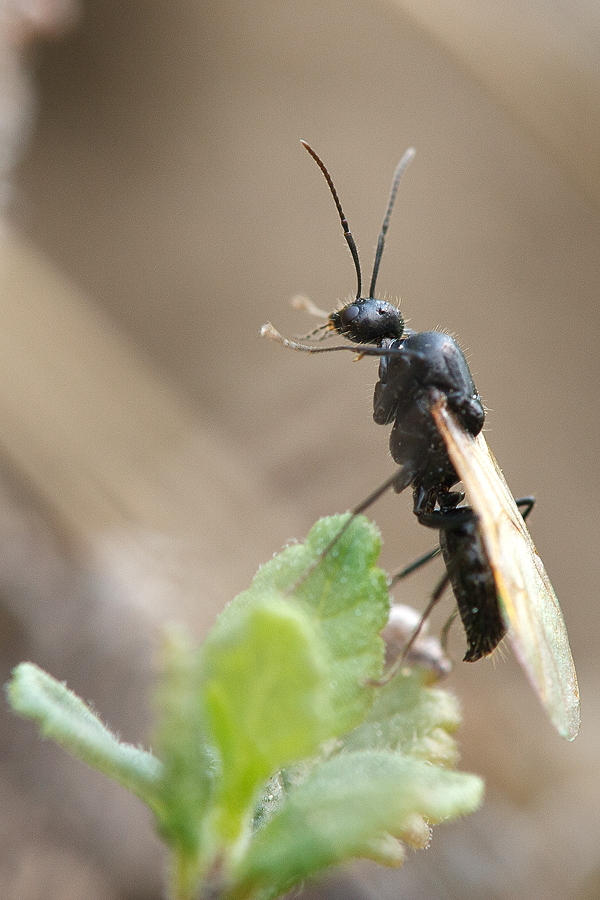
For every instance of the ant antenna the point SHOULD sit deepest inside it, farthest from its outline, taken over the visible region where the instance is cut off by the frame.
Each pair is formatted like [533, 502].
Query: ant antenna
[400, 170]
[346, 228]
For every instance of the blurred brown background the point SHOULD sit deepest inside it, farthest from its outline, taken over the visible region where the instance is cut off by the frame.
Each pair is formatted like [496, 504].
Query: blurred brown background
[153, 451]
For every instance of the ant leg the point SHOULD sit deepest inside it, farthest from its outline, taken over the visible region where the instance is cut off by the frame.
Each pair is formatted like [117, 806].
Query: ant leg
[460, 515]
[417, 564]
[527, 503]
[356, 511]
[446, 631]
[447, 518]
[435, 597]
[433, 600]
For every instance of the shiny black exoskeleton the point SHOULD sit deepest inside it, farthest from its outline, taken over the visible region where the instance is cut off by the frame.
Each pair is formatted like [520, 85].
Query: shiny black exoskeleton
[368, 321]
[418, 363]
[424, 361]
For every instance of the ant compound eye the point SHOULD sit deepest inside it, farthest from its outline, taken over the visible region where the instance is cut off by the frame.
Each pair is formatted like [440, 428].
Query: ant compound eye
[345, 320]
[348, 315]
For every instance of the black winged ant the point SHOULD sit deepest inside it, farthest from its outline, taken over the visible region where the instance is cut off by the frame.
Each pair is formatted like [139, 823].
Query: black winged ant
[411, 365]
[426, 392]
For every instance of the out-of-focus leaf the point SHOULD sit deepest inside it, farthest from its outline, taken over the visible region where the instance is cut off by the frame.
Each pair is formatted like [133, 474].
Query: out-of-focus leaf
[346, 805]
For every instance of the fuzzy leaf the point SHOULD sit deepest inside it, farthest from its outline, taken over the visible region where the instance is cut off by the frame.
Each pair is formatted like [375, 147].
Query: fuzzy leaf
[410, 717]
[343, 809]
[267, 700]
[67, 720]
[188, 774]
[285, 669]
[348, 596]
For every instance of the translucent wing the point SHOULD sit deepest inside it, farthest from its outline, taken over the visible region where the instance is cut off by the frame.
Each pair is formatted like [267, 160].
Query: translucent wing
[527, 600]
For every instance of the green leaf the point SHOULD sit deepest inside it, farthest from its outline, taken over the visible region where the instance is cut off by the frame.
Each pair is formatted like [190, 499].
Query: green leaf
[348, 807]
[68, 721]
[281, 703]
[409, 717]
[348, 596]
[267, 700]
[188, 775]
[288, 662]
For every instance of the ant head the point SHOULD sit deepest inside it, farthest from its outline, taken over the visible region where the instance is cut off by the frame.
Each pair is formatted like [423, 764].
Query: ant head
[368, 321]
